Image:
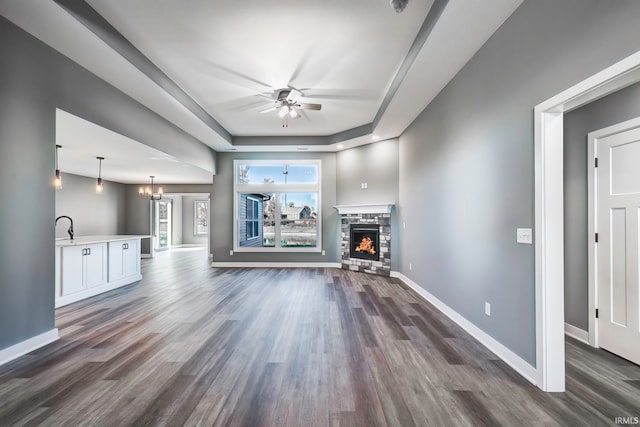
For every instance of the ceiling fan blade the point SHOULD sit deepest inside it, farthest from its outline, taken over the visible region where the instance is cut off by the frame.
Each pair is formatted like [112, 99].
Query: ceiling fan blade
[309, 106]
[293, 95]
[268, 110]
[305, 115]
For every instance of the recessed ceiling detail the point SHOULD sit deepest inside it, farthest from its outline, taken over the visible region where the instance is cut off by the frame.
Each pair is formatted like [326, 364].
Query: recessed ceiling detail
[222, 59]
[207, 67]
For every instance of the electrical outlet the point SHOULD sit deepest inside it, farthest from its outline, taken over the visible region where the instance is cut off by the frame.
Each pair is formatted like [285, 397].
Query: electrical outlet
[323, 253]
[364, 185]
[410, 266]
[404, 225]
[231, 253]
[487, 309]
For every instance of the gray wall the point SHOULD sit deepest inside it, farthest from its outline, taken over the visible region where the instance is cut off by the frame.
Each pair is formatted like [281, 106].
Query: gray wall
[377, 165]
[34, 81]
[222, 211]
[177, 216]
[27, 211]
[92, 214]
[615, 108]
[466, 163]
[187, 222]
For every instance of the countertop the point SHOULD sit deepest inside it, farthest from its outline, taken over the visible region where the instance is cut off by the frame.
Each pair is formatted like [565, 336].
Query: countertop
[88, 240]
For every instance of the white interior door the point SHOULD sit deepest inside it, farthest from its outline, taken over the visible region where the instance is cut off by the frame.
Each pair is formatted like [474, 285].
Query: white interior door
[618, 210]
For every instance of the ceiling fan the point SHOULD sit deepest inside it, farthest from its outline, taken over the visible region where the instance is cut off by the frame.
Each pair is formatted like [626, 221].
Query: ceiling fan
[287, 105]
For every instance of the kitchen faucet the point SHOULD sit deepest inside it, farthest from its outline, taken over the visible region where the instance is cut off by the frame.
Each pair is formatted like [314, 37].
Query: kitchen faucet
[70, 230]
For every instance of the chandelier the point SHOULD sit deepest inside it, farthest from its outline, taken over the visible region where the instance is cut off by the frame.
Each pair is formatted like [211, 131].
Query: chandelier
[149, 192]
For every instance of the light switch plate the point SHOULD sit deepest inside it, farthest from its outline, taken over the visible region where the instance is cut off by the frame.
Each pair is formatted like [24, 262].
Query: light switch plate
[524, 235]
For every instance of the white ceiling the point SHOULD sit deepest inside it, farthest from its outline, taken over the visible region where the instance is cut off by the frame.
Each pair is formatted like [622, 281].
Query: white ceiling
[343, 54]
[125, 160]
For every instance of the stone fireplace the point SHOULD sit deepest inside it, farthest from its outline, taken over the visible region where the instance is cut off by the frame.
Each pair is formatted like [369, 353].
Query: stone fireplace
[366, 238]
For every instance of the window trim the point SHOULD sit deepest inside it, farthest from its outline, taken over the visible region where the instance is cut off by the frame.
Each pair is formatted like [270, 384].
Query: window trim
[276, 188]
[255, 201]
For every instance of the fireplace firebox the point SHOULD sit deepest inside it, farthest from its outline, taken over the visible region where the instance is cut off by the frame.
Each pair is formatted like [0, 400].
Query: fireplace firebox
[365, 241]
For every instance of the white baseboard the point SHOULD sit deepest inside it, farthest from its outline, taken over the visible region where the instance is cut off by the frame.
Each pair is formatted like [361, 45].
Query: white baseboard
[90, 292]
[27, 346]
[577, 333]
[277, 264]
[516, 362]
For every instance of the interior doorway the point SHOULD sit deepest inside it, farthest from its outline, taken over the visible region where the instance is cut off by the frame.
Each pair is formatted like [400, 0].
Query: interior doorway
[190, 221]
[549, 213]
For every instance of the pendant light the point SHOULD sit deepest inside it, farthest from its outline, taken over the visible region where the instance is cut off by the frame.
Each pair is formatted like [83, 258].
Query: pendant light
[57, 181]
[99, 185]
[149, 193]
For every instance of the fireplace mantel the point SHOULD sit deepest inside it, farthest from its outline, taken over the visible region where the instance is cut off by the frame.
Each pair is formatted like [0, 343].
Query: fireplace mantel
[380, 208]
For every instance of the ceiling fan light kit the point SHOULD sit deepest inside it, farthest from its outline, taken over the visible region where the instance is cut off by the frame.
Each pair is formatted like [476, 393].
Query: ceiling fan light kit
[287, 105]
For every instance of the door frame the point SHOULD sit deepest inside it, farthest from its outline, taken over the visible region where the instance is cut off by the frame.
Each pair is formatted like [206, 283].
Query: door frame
[549, 212]
[592, 188]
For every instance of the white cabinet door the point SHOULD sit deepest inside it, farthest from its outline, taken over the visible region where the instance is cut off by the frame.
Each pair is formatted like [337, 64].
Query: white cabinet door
[116, 261]
[94, 265]
[72, 269]
[131, 258]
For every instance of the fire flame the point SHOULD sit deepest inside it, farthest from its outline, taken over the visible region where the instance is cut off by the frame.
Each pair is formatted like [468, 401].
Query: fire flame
[366, 245]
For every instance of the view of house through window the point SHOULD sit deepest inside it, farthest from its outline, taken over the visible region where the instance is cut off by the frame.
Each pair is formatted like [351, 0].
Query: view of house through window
[277, 205]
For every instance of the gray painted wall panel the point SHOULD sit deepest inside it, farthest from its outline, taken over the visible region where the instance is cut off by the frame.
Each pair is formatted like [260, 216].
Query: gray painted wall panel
[92, 214]
[615, 108]
[178, 224]
[466, 163]
[377, 165]
[222, 211]
[27, 145]
[34, 81]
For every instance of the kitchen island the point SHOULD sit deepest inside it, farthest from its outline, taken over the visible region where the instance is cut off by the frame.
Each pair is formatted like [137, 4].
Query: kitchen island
[90, 265]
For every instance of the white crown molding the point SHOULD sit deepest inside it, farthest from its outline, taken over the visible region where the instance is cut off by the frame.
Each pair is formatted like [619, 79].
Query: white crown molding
[376, 208]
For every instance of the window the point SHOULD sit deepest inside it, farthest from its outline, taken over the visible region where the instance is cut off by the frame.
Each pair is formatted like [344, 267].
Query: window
[252, 223]
[277, 206]
[200, 218]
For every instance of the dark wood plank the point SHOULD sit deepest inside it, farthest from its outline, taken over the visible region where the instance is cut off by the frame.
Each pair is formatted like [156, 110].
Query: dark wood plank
[195, 345]
[478, 413]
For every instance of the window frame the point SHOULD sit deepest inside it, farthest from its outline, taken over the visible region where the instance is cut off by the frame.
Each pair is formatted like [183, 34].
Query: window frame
[276, 190]
[254, 219]
[196, 218]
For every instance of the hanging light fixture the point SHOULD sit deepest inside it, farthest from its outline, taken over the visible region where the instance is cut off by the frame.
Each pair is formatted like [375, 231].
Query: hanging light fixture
[99, 185]
[399, 5]
[57, 181]
[149, 193]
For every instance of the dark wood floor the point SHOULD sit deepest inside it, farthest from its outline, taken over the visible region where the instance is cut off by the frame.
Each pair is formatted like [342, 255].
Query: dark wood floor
[192, 345]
